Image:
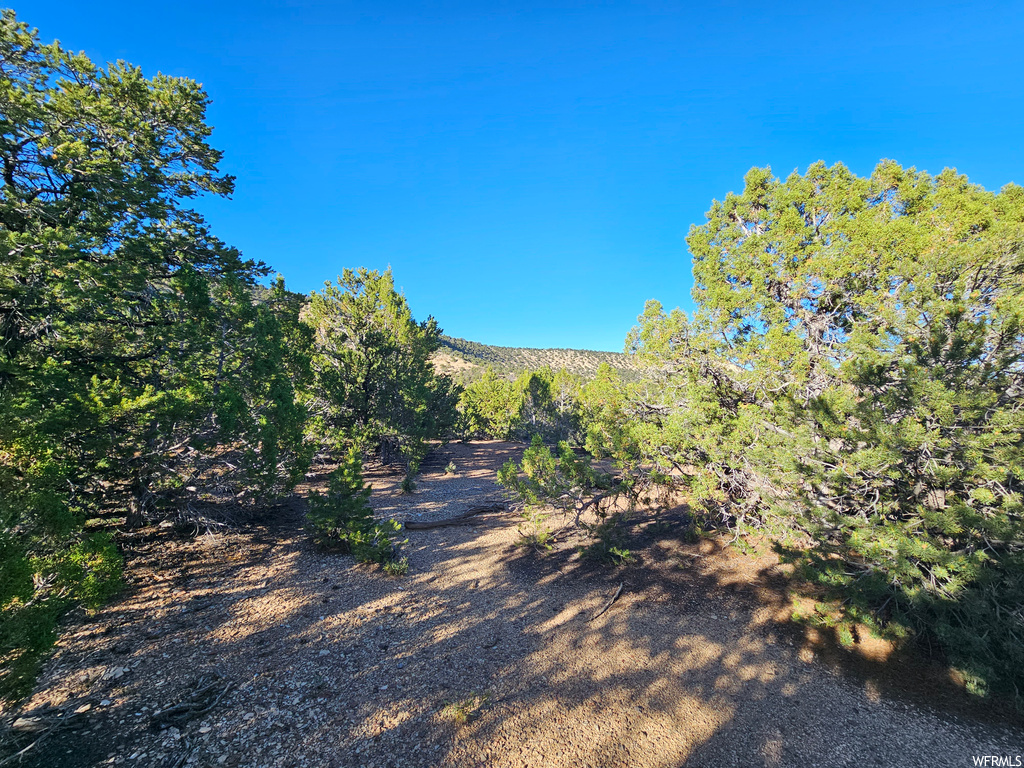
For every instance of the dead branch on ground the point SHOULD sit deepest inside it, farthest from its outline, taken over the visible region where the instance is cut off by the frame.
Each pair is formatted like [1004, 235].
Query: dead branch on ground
[608, 604]
[463, 519]
[207, 694]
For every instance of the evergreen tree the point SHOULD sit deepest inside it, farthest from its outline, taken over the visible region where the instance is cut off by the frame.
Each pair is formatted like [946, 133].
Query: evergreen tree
[135, 362]
[853, 384]
[372, 378]
[343, 519]
[493, 406]
[566, 388]
[538, 398]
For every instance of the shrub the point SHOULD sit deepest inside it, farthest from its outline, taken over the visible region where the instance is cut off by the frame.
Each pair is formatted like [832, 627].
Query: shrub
[397, 567]
[542, 477]
[609, 544]
[87, 571]
[467, 710]
[342, 519]
[535, 534]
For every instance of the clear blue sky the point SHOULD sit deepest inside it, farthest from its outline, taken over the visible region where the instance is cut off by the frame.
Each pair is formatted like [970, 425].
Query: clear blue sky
[530, 170]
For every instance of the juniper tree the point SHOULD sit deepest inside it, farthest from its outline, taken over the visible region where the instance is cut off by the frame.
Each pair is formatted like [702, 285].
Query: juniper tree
[373, 382]
[133, 354]
[853, 384]
[566, 389]
[493, 406]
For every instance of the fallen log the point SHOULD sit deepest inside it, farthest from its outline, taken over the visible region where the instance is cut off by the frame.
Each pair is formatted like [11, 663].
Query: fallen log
[463, 519]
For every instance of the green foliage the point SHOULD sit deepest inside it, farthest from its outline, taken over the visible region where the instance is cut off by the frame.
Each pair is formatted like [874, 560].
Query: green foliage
[492, 406]
[542, 476]
[35, 591]
[853, 384]
[140, 363]
[534, 533]
[608, 542]
[605, 403]
[540, 401]
[86, 571]
[620, 556]
[602, 550]
[408, 485]
[467, 710]
[397, 566]
[551, 402]
[342, 518]
[372, 379]
[27, 633]
[566, 480]
[132, 341]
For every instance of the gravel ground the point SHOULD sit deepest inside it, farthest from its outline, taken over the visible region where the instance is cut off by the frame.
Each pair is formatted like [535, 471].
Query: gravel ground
[486, 654]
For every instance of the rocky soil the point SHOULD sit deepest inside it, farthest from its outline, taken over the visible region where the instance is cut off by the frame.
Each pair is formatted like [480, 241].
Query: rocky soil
[251, 648]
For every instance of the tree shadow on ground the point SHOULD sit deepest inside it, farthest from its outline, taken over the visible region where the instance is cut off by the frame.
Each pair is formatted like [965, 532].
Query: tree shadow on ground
[488, 654]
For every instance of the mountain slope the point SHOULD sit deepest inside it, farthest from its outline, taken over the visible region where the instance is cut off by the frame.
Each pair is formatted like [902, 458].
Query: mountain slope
[468, 359]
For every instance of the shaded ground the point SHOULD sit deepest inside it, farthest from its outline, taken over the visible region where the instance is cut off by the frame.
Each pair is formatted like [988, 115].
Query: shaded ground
[486, 654]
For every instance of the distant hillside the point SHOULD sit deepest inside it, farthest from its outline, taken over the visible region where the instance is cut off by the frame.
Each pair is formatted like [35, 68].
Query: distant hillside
[466, 360]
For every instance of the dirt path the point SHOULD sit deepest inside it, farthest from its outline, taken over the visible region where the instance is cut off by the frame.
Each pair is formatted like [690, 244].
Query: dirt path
[486, 654]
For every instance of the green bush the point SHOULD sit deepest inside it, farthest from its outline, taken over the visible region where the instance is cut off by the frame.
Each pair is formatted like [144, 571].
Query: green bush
[609, 543]
[534, 532]
[397, 567]
[543, 477]
[343, 520]
[36, 591]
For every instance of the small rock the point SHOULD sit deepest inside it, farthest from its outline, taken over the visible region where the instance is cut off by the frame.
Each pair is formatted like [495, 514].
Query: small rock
[113, 673]
[324, 652]
[205, 729]
[248, 715]
[105, 703]
[83, 709]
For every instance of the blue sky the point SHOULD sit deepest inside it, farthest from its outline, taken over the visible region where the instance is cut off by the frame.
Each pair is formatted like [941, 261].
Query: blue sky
[530, 170]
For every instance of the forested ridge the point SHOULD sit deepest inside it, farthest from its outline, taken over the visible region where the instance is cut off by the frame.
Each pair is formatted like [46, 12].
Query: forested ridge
[514, 360]
[850, 389]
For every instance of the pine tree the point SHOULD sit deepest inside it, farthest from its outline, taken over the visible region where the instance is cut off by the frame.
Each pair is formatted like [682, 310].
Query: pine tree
[343, 519]
[493, 406]
[136, 362]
